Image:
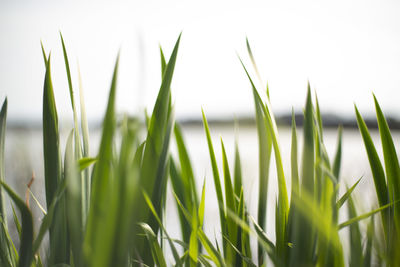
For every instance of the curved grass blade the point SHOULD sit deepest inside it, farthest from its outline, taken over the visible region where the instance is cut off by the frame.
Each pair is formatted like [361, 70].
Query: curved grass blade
[376, 168]
[365, 215]
[264, 158]
[152, 175]
[47, 220]
[213, 252]
[153, 211]
[281, 218]
[391, 161]
[253, 61]
[25, 249]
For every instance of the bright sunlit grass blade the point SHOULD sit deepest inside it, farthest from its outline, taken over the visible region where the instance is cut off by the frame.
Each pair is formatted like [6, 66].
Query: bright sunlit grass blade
[253, 61]
[25, 255]
[202, 204]
[282, 215]
[376, 168]
[84, 163]
[264, 158]
[217, 182]
[193, 242]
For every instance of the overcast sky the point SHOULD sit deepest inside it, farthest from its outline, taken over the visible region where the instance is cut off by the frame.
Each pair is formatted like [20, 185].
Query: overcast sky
[346, 49]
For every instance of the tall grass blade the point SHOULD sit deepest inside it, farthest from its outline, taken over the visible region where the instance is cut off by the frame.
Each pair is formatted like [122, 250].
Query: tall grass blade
[59, 244]
[391, 162]
[74, 202]
[186, 168]
[3, 215]
[282, 215]
[217, 182]
[230, 205]
[376, 168]
[356, 253]
[100, 222]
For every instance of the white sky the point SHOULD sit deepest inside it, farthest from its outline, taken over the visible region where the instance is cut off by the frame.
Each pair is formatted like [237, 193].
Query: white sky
[347, 49]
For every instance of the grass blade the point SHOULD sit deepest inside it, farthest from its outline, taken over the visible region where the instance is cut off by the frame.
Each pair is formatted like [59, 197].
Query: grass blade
[391, 162]
[59, 244]
[85, 163]
[347, 195]
[365, 215]
[25, 249]
[231, 233]
[98, 237]
[376, 168]
[217, 182]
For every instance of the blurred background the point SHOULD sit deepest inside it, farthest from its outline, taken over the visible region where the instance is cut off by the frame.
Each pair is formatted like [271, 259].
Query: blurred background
[345, 49]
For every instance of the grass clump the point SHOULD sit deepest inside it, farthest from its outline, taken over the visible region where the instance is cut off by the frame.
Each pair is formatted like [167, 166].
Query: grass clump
[109, 210]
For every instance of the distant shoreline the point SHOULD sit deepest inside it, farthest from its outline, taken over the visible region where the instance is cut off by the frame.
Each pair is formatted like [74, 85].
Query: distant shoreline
[285, 119]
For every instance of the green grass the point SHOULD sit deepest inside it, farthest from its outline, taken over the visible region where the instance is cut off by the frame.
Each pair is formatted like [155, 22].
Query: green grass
[108, 209]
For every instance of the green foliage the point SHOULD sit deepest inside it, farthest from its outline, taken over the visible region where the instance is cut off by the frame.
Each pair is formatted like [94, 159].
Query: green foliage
[109, 209]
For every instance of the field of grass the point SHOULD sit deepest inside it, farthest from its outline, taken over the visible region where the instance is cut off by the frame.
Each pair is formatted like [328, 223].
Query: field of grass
[109, 209]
